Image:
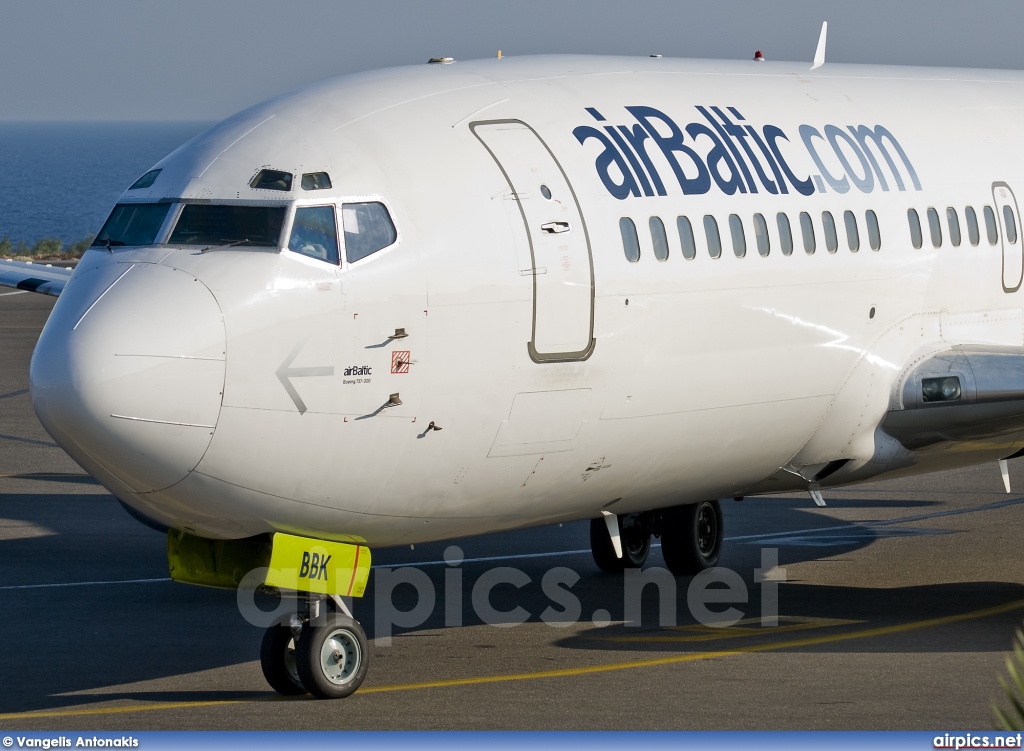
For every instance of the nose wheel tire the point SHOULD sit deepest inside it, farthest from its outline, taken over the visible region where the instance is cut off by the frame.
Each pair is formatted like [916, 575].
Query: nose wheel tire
[332, 657]
[277, 658]
[691, 537]
[636, 545]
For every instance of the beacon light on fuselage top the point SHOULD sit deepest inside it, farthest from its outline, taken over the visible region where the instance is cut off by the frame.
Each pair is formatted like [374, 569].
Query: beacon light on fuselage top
[672, 281]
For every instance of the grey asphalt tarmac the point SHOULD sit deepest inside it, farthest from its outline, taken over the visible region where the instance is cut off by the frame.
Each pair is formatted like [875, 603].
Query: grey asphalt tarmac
[897, 605]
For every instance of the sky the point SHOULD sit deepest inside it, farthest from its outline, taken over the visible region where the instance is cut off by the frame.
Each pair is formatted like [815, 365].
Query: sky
[206, 59]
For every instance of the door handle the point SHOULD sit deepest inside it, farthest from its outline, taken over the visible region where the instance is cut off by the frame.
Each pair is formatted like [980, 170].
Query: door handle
[555, 228]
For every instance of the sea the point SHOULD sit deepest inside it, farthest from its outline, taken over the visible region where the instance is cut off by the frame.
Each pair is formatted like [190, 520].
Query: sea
[61, 179]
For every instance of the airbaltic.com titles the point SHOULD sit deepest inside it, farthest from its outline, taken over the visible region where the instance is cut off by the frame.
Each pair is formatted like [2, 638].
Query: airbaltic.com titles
[726, 151]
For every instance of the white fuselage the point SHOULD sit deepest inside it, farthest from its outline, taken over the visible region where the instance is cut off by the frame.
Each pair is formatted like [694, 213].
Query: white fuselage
[208, 390]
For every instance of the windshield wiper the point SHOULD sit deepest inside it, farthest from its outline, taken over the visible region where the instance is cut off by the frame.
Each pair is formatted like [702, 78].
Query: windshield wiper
[225, 247]
[246, 241]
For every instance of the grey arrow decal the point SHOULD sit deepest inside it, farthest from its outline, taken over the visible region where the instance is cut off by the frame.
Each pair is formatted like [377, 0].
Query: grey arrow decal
[285, 373]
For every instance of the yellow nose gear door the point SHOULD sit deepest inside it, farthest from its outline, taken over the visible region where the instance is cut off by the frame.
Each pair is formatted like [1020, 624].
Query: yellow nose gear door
[563, 270]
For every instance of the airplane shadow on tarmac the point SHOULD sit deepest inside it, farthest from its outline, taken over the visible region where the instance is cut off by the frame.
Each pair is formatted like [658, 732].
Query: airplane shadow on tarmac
[63, 640]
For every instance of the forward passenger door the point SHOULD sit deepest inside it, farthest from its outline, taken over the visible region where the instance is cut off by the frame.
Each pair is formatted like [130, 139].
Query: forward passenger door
[562, 268]
[1008, 217]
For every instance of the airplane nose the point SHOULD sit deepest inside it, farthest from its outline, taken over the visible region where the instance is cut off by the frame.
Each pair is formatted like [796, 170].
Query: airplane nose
[128, 373]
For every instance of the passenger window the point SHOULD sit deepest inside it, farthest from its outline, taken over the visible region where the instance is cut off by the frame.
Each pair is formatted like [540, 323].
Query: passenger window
[934, 228]
[954, 227]
[807, 230]
[831, 238]
[316, 181]
[874, 236]
[990, 226]
[686, 238]
[761, 235]
[368, 228]
[659, 238]
[1009, 225]
[852, 235]
[315, 233]
[973, 233]
[785, 233]
[915, 228]
[630, 241]
[714, 239]
[739, 240]
[272, 179]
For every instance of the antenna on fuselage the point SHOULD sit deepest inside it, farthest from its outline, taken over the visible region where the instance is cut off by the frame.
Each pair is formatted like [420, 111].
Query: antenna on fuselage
[819, 54]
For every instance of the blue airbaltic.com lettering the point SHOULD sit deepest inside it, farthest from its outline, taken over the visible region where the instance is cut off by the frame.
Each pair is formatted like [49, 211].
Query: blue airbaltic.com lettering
[724, 150]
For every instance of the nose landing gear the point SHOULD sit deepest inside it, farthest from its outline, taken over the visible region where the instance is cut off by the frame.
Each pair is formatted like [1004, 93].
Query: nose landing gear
[321, 649]
[324, 653]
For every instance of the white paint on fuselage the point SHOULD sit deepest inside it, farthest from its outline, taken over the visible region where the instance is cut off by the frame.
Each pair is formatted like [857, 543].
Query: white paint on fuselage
[716, 374]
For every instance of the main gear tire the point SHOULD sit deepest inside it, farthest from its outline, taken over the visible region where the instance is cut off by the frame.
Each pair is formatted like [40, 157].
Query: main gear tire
[691, 537]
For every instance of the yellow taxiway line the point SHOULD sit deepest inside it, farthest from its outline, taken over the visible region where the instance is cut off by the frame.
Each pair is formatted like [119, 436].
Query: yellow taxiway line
[810, 641]
[697, 656]
[118, 710]
[31, 475]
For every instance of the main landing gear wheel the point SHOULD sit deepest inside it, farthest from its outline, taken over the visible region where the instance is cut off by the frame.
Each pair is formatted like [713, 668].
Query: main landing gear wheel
[277, 658]
[636, 546]
[332, 656]
[691, 537]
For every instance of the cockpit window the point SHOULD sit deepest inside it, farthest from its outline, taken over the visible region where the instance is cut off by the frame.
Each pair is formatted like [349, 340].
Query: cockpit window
[368, 228]
[315, 233]
[316, 181]
[210, 224]
[146, 180]
[132, 224]
[271, 179]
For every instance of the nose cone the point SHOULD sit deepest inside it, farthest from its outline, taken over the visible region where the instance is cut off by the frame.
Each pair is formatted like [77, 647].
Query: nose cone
[128, 373]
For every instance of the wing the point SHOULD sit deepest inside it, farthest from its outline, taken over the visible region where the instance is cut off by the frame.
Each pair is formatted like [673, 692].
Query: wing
[34, 277]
